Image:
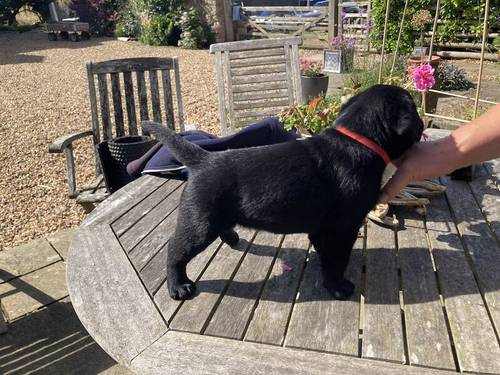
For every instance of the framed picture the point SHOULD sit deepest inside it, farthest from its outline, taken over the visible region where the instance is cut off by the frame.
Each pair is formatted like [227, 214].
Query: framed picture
[332, 61]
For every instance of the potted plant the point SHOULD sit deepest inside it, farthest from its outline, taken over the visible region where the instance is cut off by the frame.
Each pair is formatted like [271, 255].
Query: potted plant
[340, 58]
[311, 118]
[312, 79]
[420, 56]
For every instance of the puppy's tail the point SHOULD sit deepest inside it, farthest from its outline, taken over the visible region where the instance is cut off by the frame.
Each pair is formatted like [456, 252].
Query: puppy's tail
[186, 152]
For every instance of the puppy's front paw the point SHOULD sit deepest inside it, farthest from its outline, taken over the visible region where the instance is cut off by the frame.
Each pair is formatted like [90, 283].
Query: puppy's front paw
[182, 291]
[230, 237]
[340, 290]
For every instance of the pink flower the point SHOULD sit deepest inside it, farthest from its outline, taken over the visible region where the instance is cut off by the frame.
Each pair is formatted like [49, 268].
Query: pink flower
[423, 77]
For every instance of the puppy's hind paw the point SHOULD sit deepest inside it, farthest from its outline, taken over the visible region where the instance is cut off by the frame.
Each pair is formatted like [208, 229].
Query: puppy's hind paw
[182, 291]
[230, 237]
[340, 290]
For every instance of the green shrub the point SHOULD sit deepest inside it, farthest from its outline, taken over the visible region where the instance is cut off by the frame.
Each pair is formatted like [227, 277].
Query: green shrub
[159, 31]
[195, 32]
[451, 77]
[128, 24]
[458, 16]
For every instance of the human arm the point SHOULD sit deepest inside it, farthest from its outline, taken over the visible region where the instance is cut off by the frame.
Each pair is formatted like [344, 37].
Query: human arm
[477, 141]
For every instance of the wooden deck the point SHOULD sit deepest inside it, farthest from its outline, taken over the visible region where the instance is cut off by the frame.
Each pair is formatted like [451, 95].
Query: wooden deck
[427, 295]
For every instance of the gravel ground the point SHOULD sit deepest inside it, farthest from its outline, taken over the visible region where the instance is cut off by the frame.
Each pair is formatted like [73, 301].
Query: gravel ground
[43, 95]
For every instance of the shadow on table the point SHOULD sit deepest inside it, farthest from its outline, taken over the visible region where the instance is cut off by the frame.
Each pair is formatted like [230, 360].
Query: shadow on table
[53, 341]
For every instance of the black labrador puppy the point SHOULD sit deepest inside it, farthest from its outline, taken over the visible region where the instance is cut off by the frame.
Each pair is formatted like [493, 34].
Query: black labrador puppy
[324, 186]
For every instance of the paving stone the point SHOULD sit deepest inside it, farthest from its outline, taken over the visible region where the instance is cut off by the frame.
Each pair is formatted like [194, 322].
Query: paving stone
[27, 293]
[61, 240]
[25, 258]
[53, 341]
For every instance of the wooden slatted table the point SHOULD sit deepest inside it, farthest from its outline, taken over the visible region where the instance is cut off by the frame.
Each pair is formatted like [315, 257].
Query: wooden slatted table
[427, 295]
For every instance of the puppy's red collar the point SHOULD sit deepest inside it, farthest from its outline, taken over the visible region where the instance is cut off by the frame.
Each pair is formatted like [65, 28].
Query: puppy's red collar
[367, 142]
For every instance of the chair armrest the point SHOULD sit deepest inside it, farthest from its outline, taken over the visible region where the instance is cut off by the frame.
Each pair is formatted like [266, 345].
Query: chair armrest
[63, 142]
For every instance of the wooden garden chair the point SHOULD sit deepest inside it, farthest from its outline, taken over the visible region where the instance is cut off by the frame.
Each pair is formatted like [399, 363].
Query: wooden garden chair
[118, 89]
[256, 79]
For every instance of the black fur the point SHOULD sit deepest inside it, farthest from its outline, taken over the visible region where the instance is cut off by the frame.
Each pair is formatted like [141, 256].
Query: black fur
[324, 186]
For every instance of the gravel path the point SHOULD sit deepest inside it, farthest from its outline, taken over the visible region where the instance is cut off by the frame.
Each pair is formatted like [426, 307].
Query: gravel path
[43, 95]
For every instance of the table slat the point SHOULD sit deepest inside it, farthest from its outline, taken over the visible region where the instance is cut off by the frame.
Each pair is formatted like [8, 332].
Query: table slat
[427, 335]
[473, 336]
[482, 246]
[195, 267]
[382, 332]
[144, 226]
[232, 314]
[99, 296]
[195, 312]
[144, 207]
[271, 316]
[320, 322]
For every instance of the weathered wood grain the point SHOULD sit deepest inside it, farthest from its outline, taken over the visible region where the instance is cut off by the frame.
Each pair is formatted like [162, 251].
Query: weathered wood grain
[108, 296]
[382, 331]
[102, 83]
[167, 97]
[428, 341]
[142, 94]
[270, 318]
[93, 107]
[260, 70]
[195, 312]
[271, 52]
[130, 103]
[263, 87]
[229, 87]
[185, 353]
[320, 322]
[117, 104]
[232, 314]
[251, 80]
[253, 45]
[249, 97]
[221, 95]
[118, 204]
[261, 104]
[194, 270]
[140, 210]
[125, 65]
[485, 190]
[473, 335]
[155, 95]
[146, 224]
[257, 62]
[178, 94]
[153, 242]
[480, 243]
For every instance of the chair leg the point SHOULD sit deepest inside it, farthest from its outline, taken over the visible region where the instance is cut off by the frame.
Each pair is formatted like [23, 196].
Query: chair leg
[3, 320]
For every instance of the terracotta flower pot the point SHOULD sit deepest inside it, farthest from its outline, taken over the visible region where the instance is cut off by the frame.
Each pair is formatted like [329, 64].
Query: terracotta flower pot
[313, 86]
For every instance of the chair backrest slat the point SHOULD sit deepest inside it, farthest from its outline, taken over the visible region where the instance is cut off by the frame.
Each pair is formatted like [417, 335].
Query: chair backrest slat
[130, 103]
[117, 104]
[104, 105]
[155, 95]
[143, 96]
[258, 75]
[140, 83]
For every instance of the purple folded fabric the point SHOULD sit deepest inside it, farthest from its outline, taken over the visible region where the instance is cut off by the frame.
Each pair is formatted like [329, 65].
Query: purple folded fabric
[159, 160]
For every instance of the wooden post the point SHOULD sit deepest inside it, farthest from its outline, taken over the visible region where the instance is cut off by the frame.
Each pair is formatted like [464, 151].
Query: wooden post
[481, 63]
[333, 9]
[227, 9]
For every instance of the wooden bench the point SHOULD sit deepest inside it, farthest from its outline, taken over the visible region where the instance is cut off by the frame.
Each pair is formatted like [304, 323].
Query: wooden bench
[427, 295]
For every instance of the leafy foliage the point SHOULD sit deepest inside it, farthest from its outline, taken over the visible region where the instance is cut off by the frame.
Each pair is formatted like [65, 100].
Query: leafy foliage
[10, 8]
[195, 33]
[312, 117]
[451, 77]
[100, 14]
[458, 17]
[310, 68]
[128, 24]
[159, 31]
